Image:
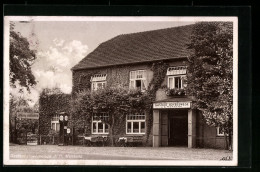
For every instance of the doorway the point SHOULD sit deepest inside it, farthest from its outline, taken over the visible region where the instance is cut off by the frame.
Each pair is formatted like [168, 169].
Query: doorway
[178, 128]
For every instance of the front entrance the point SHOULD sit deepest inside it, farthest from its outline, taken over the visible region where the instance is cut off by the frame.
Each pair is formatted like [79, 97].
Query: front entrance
[178, 128]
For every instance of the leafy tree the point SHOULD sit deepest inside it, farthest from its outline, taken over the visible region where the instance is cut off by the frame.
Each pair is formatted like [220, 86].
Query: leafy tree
[21, 58]
[17, 103]
[210, 73]
[117, 102]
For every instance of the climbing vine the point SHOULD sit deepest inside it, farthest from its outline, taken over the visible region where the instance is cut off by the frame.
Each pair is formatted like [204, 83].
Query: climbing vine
[115, 101]
[81, 81]
[51, 102]
[159, 72]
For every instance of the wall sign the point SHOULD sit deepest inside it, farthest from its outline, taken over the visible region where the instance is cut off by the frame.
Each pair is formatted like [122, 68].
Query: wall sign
[171, 105]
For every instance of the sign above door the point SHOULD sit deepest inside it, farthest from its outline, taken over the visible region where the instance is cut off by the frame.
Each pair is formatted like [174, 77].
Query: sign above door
[171, 105]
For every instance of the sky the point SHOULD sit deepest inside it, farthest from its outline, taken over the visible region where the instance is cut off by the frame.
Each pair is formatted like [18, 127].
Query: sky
[62, 44]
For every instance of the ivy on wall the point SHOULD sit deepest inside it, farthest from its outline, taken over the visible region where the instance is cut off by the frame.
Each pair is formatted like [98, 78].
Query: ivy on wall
[81, 81]
[81, 108]
[115, 101]
[51, 103]
[159, 72]
[119, 78]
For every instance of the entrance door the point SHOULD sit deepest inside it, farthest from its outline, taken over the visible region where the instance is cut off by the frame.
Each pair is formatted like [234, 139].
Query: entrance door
[178, 129]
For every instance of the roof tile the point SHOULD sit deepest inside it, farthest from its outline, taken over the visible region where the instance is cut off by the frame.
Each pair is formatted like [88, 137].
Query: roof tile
[131, 48]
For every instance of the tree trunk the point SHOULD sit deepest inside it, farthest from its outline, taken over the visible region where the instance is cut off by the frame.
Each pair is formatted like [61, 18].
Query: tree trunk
[111, 129]
[25, 137]
[10, 131]
[230, 140]
[72, 136]
[15, 130]
[226, 141]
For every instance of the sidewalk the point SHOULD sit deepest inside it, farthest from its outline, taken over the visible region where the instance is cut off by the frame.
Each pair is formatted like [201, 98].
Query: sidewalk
[116, 153]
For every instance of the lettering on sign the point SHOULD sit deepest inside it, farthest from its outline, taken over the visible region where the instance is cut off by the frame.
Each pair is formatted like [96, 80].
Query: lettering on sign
[171, 105]
[25, 115]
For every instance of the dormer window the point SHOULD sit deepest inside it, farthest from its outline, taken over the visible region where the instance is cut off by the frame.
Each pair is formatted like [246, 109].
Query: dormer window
[175, 76]
[138, 80]
[98, 81]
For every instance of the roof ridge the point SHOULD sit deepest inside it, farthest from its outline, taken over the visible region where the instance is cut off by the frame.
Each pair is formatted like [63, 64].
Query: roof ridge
[133, 33]
[168, 28]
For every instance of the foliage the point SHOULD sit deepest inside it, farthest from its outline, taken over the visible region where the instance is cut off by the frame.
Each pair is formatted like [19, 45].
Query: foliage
[21, 59]
[81, 81]
[53, 133]
[210, 72]
[175, 92]
[117, 102]
[159, 71]
[51, 102]
[16, 103]
[28, 125]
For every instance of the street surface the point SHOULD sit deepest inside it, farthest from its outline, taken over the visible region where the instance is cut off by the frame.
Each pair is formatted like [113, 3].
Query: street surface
[116, 153]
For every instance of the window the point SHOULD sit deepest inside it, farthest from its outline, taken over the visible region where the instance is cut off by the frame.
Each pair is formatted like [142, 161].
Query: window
[138, 80]
[97, 126]
[176, 76]
[220, 131]
[55, 125]
[135, 123]
[98, 81]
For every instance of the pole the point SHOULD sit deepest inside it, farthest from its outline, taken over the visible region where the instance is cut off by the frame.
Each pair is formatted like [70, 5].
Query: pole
[72, 136]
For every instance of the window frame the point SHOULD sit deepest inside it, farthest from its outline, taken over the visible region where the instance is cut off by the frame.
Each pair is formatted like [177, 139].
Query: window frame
[143, 79]
[180, 71]
[55, 121]
[132, 124]
[173, 78]
[96, 79]
[96, 83]
[218, 132]
[96, 123]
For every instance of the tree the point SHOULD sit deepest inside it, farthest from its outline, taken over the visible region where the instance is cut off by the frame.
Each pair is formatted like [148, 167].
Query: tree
[116, 102]
[21, 58]
[210, 70]
[17, 103]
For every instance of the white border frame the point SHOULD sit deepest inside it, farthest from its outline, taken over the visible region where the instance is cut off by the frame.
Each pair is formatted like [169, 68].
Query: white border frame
[6, 155]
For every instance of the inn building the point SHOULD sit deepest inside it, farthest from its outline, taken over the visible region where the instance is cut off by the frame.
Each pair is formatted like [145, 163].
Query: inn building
[126, 61]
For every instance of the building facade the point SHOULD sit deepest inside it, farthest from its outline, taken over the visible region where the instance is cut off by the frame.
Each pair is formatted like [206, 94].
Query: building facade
[126, 61]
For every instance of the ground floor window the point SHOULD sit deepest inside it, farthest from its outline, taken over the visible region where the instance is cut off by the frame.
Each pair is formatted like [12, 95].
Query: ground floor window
[55, 125]
[220, 131]
[135, 123]
[99, 127]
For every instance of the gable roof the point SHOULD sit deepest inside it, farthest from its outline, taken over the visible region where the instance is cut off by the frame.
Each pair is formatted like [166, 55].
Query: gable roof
[169, 43]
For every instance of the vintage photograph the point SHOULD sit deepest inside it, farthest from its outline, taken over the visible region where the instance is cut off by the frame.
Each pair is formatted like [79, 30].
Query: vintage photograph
[117, 90]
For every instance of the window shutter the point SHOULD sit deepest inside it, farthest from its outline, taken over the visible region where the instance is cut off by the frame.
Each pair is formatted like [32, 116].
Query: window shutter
[132, 75]
[132, 84]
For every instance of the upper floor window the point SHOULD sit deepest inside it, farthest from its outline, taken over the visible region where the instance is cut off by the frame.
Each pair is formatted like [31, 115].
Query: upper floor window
[138, 80]
[135, 123]
[176, 76]
[99, 127]
[55, 125]
[98, 81]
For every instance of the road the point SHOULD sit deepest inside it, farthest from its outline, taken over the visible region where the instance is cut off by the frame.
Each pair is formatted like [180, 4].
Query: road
[116, 153]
